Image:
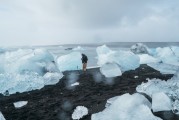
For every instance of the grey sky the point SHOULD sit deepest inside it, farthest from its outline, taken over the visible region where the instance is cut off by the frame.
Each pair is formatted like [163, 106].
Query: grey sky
[47, 22]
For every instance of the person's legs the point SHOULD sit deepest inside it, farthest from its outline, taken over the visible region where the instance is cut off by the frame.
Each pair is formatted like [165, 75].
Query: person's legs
[84, 66]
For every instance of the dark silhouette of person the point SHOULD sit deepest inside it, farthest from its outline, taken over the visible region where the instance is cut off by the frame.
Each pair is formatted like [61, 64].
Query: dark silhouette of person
[84, 60]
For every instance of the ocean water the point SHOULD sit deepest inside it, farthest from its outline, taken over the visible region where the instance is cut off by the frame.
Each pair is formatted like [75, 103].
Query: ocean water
[90, 49]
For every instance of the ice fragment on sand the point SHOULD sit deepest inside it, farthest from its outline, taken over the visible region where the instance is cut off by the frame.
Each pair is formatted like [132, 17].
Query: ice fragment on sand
[2, 117]
[79, 112]
[75, 84]
[20, 104]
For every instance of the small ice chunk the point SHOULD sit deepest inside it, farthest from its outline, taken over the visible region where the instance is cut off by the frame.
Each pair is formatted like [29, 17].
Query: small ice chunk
[136, 76]
[20, 104]
[110, 70]
[52, 78]
[2, 117]
[79, 112]
[75, 84]
[161, 102]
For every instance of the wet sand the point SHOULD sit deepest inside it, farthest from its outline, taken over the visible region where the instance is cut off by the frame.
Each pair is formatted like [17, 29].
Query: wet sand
[57, 102]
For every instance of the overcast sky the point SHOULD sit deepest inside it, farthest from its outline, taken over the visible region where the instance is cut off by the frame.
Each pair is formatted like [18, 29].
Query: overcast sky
[47, 22]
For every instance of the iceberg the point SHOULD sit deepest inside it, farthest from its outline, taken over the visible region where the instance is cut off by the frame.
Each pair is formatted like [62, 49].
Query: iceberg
[79, 112]
[71, 61]
[110, 70]
[127, 107]
[20, 104]
[161, 102]
[125, 59]
[139, 48]
[27, 69]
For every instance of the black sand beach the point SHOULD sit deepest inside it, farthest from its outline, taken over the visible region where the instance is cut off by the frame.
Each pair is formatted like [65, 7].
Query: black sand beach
[57, 102]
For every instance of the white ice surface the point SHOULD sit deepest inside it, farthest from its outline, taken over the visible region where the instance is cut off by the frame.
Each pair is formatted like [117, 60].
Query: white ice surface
[110, 70]
[145, 59]
[127, 107]
[23, 70]
[70, 61]
[2, 117]
[169, 87]
[161, 102]
[20, 104]
[52, 78]
[79, 112]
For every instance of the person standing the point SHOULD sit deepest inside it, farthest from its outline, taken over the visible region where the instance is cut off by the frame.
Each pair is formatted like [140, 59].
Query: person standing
[84, 60]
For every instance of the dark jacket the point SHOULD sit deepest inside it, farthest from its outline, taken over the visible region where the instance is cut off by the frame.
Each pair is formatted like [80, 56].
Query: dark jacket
[84, 58]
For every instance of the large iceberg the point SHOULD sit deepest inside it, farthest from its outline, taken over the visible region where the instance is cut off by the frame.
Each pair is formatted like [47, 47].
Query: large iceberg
[27, 69]
[70, 61]
[125, 59]
[127, 107]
